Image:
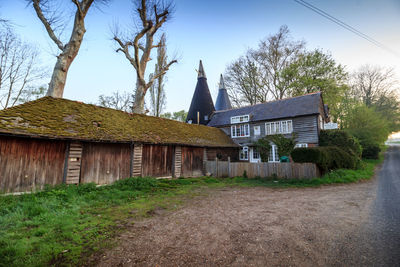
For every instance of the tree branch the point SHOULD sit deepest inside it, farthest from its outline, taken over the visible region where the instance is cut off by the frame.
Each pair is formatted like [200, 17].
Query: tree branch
[36, 6]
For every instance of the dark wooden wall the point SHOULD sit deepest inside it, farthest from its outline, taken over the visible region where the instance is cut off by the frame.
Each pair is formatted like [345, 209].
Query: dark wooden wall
[26, 164]
[104, 163]
[157, 160]
[192, 161]
[223, 154]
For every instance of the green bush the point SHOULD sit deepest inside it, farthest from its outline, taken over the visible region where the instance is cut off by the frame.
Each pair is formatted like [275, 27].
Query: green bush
[341, 139]
[326, 158]
[371, 151]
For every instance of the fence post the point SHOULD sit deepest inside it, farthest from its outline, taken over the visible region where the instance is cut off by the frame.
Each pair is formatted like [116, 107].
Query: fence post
[216, 167]
[229, 166]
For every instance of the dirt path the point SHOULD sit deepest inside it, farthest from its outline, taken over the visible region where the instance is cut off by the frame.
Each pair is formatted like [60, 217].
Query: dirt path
[252, 227]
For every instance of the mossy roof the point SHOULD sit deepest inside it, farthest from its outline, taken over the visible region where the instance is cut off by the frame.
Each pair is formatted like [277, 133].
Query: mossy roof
[59, 118]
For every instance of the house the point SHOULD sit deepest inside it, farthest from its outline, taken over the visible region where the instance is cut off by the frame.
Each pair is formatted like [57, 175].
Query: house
[303, 115]
[55, 140]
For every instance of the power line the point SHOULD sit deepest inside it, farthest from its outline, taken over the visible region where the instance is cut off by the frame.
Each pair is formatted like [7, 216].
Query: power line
[345, 25]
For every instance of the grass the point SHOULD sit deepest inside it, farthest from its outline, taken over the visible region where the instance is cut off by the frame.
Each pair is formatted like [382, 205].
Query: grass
[62, 225]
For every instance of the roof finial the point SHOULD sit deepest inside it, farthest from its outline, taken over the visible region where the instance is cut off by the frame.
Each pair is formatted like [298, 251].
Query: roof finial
[200, 72]
[221, 82]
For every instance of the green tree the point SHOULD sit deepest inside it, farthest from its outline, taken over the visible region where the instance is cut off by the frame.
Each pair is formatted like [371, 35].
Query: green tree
[178, 115]
[317, 71]
[367, 125]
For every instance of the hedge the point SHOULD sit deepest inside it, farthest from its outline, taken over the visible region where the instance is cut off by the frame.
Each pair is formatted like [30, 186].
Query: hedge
[371, 151]
[341, 139]
[327, 158]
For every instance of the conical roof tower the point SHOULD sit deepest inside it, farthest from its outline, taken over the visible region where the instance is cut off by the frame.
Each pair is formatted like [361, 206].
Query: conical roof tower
[202, 105]
[223, 101]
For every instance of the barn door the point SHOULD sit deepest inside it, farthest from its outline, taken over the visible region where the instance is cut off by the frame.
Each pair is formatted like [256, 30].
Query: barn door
[73, 163]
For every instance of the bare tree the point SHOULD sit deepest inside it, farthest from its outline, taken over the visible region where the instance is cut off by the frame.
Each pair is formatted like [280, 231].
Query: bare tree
[157, 92]
[48, 14]
[257, 76]
[151, 16]
[18, 68]
[119, 101]
[243, 82]
[371, 83]
[273, 55]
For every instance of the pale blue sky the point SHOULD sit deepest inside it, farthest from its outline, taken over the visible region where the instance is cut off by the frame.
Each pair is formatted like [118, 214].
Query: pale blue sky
[216, 32]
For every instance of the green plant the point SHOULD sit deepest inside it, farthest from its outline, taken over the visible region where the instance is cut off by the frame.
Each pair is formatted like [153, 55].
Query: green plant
[327, 158]
[263, 147]
[285, 145]
[371, 151]
[342, 139]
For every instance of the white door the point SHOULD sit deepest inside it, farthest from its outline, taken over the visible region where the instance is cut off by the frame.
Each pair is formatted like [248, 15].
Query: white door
[254, 156]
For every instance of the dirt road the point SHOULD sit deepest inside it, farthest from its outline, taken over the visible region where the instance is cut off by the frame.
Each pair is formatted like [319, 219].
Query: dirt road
[250, 226]
[345, 225]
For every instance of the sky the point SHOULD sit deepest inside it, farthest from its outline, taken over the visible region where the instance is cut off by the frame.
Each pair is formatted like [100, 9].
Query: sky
[217, 32]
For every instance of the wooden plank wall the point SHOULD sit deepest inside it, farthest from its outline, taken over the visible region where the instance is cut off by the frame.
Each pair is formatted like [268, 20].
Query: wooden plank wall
[104, 163]
[26, 164]
[192, 161]
[137, 160]
[157, 160]
[263, 169]
[74, 163]
[178, 162]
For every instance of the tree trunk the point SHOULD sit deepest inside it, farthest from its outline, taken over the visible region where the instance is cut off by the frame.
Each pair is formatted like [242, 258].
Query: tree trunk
[59, 77]
[138, 104]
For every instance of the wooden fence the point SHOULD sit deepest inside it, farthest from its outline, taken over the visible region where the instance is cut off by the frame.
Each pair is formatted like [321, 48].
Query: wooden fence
[281, 170]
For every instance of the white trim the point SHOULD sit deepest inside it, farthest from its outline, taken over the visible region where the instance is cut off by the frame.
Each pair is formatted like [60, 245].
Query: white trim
[279, 127]
[301, 145]
[254, 152]
[244, 153]
[240, 130]
[273, 154]
[240, 119]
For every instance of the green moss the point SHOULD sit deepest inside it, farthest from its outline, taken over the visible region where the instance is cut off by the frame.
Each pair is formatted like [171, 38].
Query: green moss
[62, 118]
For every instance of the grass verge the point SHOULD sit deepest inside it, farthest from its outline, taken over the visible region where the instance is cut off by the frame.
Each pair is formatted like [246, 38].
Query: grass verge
[64, 224]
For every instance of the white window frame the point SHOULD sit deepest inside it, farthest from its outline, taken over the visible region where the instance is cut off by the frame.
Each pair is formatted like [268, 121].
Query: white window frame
[255, 156]
[301, 145]
[240, 130]
[244, 153]
[279, 127]
[273, 154]
[240, 119]
[257, 130]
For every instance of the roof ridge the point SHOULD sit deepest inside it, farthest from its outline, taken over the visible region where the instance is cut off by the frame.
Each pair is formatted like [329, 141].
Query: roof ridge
[276, 100]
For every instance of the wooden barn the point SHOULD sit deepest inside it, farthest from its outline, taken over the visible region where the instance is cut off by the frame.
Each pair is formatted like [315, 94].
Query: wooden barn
[55, 140]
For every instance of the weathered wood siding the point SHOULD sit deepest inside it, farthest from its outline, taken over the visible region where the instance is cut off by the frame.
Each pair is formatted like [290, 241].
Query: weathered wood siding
[73, 163]
[192, 161]
[26, 164]
[157, 160]
[223, 153]
[280, 170]
[104, 163]
[306, 128]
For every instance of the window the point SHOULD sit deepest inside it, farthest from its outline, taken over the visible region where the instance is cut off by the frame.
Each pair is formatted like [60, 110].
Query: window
[256, 154]
[240, 119]
[244, 153]
[273, 154]
[257, 130]
[301, 145]
[206, 117]
[242, 130]
[279, 127]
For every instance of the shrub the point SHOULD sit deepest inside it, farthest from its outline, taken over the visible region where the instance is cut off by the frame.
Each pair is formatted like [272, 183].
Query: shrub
[371, 151]
[327, 158]
[341, 139]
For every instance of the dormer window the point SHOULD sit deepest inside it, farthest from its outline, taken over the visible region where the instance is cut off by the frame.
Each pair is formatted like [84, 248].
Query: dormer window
[240, 119]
